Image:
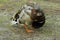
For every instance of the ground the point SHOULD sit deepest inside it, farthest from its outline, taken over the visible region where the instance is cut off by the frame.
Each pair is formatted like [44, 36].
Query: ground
[50, 30]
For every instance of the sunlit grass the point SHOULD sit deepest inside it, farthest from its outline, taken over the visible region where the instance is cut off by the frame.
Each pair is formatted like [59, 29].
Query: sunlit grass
[52, 18]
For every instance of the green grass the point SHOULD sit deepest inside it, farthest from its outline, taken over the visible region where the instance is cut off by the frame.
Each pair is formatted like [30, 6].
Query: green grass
[3, 0]
[52, 14]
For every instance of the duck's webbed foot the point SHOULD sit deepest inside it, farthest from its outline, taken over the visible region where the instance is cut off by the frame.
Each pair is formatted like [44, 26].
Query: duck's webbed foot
[27, 30]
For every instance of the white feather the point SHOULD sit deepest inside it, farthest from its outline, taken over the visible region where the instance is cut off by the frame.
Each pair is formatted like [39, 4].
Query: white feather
[13, 22]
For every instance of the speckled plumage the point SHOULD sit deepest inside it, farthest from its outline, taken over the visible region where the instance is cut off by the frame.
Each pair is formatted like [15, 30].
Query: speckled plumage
[31, 14]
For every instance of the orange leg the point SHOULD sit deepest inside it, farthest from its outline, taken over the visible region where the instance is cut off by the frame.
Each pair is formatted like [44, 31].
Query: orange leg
[28, 30]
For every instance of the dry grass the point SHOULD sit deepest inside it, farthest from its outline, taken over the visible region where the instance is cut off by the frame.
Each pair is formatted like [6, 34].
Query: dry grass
[50, 31]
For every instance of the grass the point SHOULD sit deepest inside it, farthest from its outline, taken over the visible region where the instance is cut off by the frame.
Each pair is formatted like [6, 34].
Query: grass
[50, 31]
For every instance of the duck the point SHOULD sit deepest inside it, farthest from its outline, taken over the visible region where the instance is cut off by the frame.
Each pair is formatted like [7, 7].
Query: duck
[30, 14]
